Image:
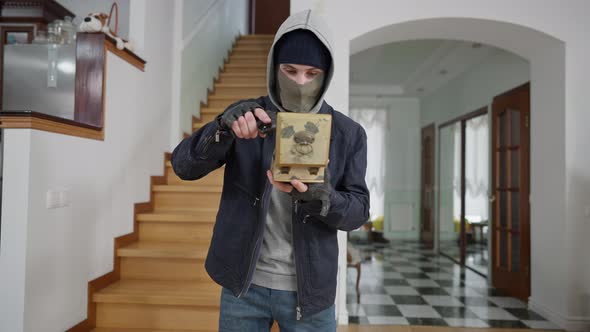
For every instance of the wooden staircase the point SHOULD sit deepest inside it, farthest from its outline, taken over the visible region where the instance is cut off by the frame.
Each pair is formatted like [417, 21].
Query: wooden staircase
[162, 284]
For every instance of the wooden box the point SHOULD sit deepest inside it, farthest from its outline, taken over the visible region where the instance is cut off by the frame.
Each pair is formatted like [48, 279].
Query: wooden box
[302, 147]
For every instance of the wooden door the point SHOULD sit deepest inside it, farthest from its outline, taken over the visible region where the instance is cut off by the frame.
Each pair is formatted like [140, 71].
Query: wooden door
[511, 188]
[266, 16]
[427, 200]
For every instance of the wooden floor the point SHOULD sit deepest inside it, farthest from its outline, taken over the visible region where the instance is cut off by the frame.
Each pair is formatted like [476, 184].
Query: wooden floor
[384, 328]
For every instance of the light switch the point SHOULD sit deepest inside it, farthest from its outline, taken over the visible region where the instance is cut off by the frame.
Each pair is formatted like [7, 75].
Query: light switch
[52, 199]
[65, 197]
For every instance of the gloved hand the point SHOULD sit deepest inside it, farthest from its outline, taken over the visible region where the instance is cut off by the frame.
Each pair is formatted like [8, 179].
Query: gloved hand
[317, 192]
[233, 113]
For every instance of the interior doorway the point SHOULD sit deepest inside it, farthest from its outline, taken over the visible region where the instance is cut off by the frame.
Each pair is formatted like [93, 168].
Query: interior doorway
[511, 190]
[267, 15]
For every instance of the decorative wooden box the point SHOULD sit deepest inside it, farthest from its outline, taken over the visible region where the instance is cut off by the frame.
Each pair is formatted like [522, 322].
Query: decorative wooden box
[302, 147]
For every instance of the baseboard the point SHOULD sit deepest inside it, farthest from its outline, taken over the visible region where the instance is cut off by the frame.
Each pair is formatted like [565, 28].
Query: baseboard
[568, 323]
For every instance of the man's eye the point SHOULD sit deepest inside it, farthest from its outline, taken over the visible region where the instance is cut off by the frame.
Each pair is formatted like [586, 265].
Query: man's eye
[313, 74]
[291, 72]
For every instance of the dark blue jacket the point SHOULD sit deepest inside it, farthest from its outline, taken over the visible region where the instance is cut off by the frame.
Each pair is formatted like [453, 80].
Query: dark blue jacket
[238, 231]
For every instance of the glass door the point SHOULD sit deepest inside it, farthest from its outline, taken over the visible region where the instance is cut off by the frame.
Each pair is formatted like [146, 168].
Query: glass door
[449, 207]
[463, 208]
[476, 193]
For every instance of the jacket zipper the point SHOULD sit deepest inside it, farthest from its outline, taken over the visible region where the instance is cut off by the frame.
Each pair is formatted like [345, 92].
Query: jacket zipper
[250, 265]
[298, 308]
[254, 198]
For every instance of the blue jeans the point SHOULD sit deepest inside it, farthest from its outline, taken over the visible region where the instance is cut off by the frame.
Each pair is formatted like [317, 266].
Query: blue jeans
[257, 310]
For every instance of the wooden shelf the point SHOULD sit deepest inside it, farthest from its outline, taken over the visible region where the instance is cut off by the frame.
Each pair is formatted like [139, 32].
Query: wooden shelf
[89, 95]
[46, 122]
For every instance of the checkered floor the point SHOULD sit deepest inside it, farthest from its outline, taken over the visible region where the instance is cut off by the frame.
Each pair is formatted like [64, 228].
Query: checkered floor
[405, 284]
[476, 254]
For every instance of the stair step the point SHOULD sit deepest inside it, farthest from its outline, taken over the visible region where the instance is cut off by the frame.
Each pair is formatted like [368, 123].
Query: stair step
[243, 80]
[198, 125]
[247, 92]
[253, 49]
[164, 250]
[262, 42]
[226, 98]
[263, 57]
[116, 329]
[201, 216]
[176, 232]
[212, 179]
[256, 75]
[258, 36]
[250, 51]
[192, 293]
[212, 110]
[252, 66]
[241, 85]
[186, 189]
[223, 101]
[220, 169]
[246, 61]
[158, 317]
[158, 268]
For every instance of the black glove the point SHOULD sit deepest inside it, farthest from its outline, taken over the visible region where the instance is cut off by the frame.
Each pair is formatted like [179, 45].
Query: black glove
[317, 192]
[234, 112]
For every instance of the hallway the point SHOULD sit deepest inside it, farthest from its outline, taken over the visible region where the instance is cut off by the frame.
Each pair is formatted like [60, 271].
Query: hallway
[403, 283]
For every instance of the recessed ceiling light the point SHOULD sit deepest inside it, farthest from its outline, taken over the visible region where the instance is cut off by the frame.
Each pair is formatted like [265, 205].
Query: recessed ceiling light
[476, 45]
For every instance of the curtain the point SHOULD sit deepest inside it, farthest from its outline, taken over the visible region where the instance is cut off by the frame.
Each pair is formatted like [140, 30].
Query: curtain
[374, 121]
[476, 168]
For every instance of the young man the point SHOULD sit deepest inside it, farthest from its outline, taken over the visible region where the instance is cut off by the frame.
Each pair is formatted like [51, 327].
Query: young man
[274, 248]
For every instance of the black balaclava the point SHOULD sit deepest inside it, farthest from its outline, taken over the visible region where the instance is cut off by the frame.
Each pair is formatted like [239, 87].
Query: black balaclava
[304, 48]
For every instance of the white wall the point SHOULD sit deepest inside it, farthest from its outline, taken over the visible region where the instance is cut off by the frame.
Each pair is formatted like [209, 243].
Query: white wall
[202, 40]
[402, 164]
[83, 7]
[498, 73]
[551, 35]
[13, 236]
[67, 247]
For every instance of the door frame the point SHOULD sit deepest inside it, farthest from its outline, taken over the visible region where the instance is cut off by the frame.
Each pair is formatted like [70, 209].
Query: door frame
[433, 230]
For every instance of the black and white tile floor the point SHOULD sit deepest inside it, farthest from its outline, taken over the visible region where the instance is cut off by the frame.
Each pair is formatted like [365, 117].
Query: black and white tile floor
[403, 283]
[476, 254]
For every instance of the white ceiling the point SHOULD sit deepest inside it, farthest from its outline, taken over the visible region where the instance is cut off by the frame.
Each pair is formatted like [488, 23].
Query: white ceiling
[412, 68]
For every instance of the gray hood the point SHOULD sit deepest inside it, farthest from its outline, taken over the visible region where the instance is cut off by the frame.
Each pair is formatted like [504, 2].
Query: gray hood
[307, 20]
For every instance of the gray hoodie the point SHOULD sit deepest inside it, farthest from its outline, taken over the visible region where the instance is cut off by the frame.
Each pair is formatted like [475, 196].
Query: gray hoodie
[275, 268]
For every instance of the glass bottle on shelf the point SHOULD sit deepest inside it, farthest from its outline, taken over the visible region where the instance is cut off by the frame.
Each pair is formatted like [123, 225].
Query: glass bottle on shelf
[59, 31]
[51, 34]
[40, 37]
[68, 30]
